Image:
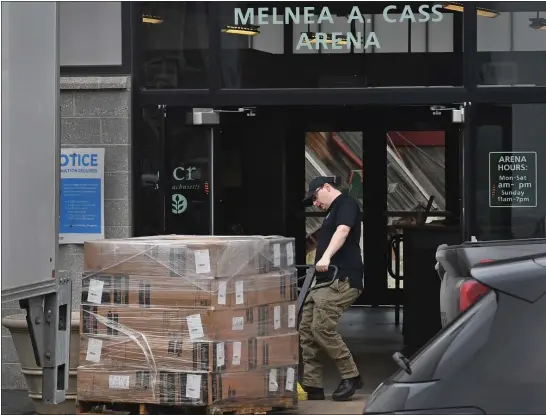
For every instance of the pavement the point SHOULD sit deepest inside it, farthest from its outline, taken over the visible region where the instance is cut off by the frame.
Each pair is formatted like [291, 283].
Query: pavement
[355, 406]
[17, 402]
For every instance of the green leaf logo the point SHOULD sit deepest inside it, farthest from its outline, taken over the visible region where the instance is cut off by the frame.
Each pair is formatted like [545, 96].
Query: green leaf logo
[179, 203]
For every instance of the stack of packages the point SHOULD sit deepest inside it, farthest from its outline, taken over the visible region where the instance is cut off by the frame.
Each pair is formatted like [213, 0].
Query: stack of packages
[198, 321]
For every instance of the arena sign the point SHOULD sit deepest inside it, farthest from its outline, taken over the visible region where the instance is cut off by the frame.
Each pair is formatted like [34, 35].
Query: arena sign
[259, 16]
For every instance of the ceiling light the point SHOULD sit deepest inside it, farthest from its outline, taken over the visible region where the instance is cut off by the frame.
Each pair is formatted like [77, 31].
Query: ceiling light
[247, 30]
[146, 18]
[312, 36]
[482, 11]
[538, 23]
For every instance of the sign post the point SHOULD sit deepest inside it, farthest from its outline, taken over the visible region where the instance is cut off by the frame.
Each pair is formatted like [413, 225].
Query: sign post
[81, 204]
[513, 179]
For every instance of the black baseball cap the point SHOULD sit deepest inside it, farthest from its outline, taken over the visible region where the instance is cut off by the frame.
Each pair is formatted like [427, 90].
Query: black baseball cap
[315, 184]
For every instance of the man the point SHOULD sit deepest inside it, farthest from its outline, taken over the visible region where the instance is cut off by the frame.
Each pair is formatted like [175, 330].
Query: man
[338, 244]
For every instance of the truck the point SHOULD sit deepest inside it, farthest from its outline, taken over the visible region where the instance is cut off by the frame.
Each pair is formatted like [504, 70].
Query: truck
[30, 185]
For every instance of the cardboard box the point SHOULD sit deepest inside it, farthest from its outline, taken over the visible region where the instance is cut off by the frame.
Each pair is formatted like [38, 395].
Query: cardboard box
[173, 353]
[191, 389]
[167, 292]
[106, 385]
[244, 323]
[177, 292]
[154, 353]
[167, 353]
[148, 291]
[260, 289]
[279, 253]
[190, 323]
[111, 320]
[189, 257]
[280, 350]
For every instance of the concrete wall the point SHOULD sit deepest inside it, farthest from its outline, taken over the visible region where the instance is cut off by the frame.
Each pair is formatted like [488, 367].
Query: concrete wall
[95, 112]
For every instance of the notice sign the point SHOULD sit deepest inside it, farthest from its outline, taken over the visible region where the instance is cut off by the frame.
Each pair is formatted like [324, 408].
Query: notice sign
[513, 179]
[81, 206]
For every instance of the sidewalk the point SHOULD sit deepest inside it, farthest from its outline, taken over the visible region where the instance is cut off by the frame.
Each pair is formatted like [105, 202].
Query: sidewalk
[329, 407]
[18, 403]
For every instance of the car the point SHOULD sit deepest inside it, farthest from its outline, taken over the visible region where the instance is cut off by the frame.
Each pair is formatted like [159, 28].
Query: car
[489, 357]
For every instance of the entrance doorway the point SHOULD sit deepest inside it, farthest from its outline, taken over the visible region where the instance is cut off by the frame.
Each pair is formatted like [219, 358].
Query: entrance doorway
[248, 175]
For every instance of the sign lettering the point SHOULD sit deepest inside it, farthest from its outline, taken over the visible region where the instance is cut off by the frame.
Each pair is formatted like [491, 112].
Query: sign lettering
[81, 205]
[336, 40]
[513, 179]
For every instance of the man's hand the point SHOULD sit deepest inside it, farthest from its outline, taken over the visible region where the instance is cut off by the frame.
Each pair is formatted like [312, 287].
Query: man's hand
[323, 264]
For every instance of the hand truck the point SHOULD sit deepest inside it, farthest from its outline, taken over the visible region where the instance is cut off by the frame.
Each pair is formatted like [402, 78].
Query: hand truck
[304, 292]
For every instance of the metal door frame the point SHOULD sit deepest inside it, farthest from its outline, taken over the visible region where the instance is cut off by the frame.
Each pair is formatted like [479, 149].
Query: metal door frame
[376, 291]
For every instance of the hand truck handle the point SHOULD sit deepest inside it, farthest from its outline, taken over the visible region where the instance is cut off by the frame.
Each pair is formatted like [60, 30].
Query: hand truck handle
[334, 267]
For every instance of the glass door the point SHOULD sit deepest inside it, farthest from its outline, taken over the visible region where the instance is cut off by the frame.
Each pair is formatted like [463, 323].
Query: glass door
[173, 174]
[410, 182]
[188, 175]
[330, 153]
[416, 196]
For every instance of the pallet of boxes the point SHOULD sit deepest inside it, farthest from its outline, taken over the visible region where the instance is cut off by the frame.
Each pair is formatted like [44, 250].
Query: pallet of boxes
[192, 322]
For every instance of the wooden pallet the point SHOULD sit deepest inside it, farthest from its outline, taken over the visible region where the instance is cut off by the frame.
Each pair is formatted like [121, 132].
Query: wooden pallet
[115, 408]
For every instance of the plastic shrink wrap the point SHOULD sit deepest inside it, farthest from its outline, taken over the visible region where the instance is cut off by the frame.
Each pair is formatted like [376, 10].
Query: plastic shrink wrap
[179, 320]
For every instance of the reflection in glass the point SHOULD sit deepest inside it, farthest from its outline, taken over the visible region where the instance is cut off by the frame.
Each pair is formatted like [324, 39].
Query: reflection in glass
[510, 130]
[174, 43]
[415, 172]
[415, 165]
[333, 46]
[512, 46]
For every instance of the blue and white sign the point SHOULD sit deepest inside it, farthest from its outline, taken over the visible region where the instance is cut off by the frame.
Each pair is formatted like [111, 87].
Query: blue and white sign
[81, 206]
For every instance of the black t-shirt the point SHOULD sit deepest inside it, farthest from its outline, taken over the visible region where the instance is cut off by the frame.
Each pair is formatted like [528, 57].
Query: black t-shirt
[344, 210]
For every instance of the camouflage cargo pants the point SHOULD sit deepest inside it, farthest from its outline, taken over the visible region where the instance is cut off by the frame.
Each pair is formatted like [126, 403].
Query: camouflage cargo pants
[318, 331]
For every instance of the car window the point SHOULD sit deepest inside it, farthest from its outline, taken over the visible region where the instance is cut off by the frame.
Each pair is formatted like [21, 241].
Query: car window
[453, 345]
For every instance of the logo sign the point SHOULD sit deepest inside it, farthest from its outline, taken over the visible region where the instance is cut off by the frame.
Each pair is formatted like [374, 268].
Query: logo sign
[184, 173]
[186, 178]
[179, 203]
[81, 205]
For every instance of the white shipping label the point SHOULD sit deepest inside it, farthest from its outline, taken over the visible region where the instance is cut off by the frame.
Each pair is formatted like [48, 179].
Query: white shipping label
[202, 261]
[276, 255]
[195, 327]
[290, 376]
[239, 293]
[292, 316]
[94, 350]
[220, 354]
[193, 386]
[238, 323]
[94, 294]
[273, 385]
[236, 360]
[289, 254]
[277, 317]
[118, 382]
[222, 293]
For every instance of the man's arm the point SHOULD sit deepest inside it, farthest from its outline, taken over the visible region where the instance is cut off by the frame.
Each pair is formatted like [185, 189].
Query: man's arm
[348, 216]
[337, 241]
